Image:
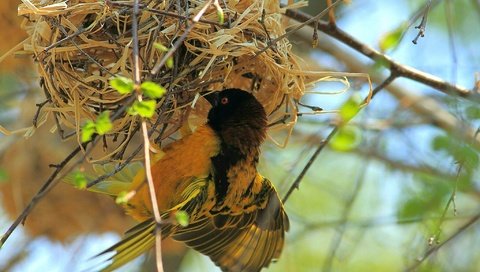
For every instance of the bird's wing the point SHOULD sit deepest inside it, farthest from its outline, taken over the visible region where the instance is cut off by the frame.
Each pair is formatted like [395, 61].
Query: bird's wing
[245, 242]
[140, 238]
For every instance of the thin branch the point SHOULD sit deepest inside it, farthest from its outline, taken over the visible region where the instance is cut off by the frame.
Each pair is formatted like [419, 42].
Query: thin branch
[170, 14]
[400, 69]
[46, 187]
[310, 21]
[420, 104]
[146, 142]
[296, 183]
[39, 109]
[434, 249]
[180, 40]
[342, 224]
[423, 24]
[331, 13]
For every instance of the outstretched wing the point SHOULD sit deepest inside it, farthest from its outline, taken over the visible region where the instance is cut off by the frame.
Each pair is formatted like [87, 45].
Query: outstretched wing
[246, 242]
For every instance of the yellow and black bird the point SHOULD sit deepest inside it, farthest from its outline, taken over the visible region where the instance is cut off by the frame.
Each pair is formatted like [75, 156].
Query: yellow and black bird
[235, 215]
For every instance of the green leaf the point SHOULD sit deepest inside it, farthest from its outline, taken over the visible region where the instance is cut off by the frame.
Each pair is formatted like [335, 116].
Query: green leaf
[467, 156]
[182, 218]
[473, 112]
[160, 47]
[220, 15]
[122, 198]
[152, 89]
[144, 108]
[88, 129]
[426, 198]
[441, 142]
[350, 108]
[346, 139]
[79, 180]
[103, 123]
[122, 85]
[169, 63]
[392, 39]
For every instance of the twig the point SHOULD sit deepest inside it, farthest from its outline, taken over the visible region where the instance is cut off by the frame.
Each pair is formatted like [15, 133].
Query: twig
[420, 104]
[342, 224]
[423, 23]
[331, 13]
[432, 250]
[39, 108]
[401, 70]
[68, 37]
[296, 183]
[47, 186]
[146, 142]
[309, 21]
[170, 14]
[180, 40]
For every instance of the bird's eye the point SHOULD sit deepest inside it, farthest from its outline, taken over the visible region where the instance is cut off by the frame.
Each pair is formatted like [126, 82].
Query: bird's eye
[224, 100]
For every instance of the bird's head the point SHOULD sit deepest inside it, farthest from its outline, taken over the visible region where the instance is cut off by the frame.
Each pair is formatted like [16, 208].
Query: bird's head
[237, 117]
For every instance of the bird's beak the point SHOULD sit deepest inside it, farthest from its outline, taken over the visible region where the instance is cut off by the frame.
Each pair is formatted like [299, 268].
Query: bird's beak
[212, 97]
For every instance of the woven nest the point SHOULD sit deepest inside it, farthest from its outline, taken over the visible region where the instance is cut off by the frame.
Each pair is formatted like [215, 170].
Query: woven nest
[80, 44]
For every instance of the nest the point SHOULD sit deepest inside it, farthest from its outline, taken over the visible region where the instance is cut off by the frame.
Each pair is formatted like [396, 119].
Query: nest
[79, 45]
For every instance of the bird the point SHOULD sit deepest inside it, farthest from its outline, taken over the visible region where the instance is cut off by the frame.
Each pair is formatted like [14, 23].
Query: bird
[235, 215]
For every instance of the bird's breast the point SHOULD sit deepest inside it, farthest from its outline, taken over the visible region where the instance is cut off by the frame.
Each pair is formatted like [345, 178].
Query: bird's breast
[184, 160]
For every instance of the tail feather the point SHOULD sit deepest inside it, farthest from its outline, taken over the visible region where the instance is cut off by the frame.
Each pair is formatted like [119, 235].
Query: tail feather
[132, 246]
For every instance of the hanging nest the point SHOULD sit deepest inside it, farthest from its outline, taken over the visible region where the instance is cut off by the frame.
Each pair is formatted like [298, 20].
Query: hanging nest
[80, 44]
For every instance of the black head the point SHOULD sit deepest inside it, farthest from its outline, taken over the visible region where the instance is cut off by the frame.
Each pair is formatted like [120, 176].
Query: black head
[237, 117]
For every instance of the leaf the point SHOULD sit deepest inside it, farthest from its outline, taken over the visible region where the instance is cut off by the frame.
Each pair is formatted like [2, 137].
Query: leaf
[103, 123]
[441, 142]
[350, 108]
[182, 218]
[122, 85]
[169, 63]
[160, 47]
[429, 197]
[467, 156]
[473, 112]
[144, 108]
[152, 89]
[79, 180]
[88, 129]
[122, 198]
[346, 139]
[392, 39]
[220, 15]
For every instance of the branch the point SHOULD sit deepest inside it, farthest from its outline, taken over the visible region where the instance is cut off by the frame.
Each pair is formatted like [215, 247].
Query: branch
[422, 105]
[47, 186]
[395, 67]
[146, 142]
[434, 249]
[180, 40]
[337, 239]
[296, 183]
